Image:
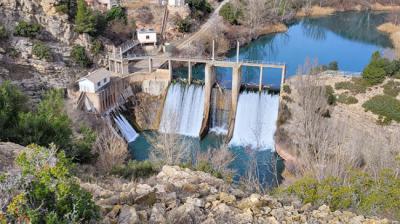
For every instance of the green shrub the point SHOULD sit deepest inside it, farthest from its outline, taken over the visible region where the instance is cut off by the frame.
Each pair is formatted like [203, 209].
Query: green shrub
[184, 25]
[116, 13]
[346, 99]
[3, 32]
[330, 95]
[25, 29]
[287, 89]
[356, 85]
[360, 192]
[47, 192]
[136, 169]
[12, 102]
[81, 150]
[62, 8]
[385, 106]
[41, 51]
[373, 74]
[230, 13]
[97, 47]
[80, 57]
[85, 21]
[202, 6]
[391, 88]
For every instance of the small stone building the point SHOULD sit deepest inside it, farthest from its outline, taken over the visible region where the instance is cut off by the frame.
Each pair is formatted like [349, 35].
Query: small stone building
[102, 4]
[147, 36]
[176, 3]
[94, 81]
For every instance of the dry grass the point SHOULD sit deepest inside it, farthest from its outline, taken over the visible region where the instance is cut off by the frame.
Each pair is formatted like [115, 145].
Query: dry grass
[394, 32]
[316, 11]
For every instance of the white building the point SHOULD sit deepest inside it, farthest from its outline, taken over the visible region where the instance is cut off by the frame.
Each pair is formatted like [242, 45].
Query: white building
[94, 81]
[176, 3]
[102, 4]
[147, 36]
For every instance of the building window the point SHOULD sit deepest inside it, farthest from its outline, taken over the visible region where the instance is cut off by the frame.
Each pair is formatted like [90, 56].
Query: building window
[105, 80]
[98, 83]
[147, 37]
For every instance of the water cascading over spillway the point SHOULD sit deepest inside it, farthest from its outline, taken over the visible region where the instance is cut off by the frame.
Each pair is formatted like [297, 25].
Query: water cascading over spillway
[256, 120]
[127, 131]
[183, 110]
[220, 108]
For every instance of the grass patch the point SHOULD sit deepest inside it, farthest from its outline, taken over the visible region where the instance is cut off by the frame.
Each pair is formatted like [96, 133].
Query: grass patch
[135, 169]
[356, 85]
[287, 89]
[391, 88]
[346, 99]
[387, 107]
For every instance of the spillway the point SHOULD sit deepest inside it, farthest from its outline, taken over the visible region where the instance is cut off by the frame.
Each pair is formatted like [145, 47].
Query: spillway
[220, 108]
[256, 120]
[127, 131]
[183, 110]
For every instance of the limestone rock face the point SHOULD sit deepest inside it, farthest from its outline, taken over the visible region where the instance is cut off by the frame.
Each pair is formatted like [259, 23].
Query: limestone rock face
[182, 196]
[40, 11]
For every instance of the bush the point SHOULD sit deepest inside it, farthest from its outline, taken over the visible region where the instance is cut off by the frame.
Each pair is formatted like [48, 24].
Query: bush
[229, 13]
[184, 25]
[62, 8]
[385, 106]
[360, 191]
[116, 13]
[346, 99]
[79, 56]
[136, 169]
[85, 21]
[41, 51]
[373, 74]
[45, 191]
[391, 88]
[25, 29]
[330, 95]
[12, 102]
[97, 47]
[3, 32]
[199, 5]
[287, 89]
[356, 85]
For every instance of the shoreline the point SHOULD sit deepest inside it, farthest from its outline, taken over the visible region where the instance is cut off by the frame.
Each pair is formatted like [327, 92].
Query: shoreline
[394, 33]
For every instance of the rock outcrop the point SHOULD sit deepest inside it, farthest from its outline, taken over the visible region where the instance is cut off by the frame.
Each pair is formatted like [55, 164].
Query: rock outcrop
[178, 195]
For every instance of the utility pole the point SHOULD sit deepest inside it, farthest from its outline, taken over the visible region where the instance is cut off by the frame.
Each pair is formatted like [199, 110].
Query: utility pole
[237, 51]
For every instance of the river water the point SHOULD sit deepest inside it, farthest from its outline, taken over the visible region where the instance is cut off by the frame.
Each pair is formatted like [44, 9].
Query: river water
[348, 38]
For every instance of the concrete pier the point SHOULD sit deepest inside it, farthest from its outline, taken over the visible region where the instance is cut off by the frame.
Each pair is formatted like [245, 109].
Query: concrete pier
[209, 81]
[170, 70]
[236, 82]
[150, 65]
[189, 72]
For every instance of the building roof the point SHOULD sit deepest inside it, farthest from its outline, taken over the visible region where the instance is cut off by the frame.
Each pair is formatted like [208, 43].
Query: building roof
[146, 30]
[97, 75]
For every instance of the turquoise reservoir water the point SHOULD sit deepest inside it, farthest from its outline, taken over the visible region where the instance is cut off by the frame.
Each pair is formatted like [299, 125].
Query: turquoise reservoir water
[348, 38]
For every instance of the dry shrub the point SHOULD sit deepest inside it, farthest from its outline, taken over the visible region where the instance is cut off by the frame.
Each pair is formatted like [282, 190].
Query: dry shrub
[218, 158]
[169, 149]
[111, 150]
[118, 32]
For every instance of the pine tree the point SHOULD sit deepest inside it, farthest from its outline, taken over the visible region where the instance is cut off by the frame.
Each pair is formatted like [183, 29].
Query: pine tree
[84, 19]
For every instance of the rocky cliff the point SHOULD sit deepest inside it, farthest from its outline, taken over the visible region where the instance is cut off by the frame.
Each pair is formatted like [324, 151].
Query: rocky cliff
[178, 195]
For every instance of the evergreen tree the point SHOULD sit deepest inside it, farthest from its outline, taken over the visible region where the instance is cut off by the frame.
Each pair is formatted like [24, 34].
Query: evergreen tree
[85, 21]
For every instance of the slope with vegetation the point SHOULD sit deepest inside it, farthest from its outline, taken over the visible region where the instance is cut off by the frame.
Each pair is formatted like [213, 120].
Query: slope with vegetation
[343, 134]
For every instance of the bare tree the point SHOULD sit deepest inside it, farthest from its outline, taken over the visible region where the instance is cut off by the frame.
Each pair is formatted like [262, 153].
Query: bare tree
[219, 158]
[111, 150]
[169, 149]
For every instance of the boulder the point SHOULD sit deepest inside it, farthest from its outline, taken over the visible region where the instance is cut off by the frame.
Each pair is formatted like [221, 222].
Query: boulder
[128, 215]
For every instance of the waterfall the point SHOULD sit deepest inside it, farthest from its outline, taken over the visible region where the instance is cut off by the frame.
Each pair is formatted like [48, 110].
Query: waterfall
[125, 128]
[256, 120]
[183, 110]
[220, 108]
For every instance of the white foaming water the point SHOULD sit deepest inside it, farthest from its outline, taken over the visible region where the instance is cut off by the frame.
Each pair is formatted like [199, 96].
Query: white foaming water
[183, 110]
[126, 129]
[256, 120]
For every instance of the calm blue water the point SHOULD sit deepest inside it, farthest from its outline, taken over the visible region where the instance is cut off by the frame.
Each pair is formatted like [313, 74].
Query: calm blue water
[349, 38]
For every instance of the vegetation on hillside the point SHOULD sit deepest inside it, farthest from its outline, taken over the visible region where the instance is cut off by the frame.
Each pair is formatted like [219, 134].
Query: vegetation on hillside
[44, 191]
[25, 29]
[80, 57]
[47, 123]
[3, 32]
[41, 51]
[230, 13]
